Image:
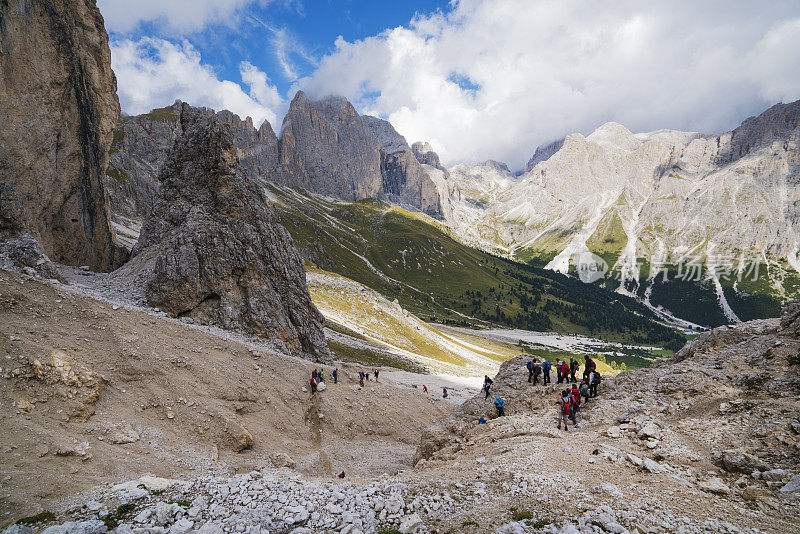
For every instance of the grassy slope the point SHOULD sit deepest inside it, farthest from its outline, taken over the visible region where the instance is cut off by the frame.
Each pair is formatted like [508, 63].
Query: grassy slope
[363, 313]
[411, 258]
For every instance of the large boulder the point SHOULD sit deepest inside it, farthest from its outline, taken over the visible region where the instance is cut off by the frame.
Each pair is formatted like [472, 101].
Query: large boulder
[213, 250]
[58, 108]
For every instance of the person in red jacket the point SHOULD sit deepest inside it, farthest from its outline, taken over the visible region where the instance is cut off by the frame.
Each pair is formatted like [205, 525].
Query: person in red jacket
[576, 394]
[575, 403]
[564, 370]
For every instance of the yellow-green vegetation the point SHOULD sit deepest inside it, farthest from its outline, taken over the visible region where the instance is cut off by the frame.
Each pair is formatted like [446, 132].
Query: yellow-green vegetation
[609, 239]
[117, 174]
[409, 257]
[38, 518]
[385, 323]
[166, 114]
[522, 515]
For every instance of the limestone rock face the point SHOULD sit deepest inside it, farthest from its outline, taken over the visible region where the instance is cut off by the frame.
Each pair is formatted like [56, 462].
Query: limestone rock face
[257, 149]
[661, 198]
[139, 150]
[58, 108]
[328, 148]
[142, 143]
[425, 154]
[404, 180]
[543, 153]
[212, 248]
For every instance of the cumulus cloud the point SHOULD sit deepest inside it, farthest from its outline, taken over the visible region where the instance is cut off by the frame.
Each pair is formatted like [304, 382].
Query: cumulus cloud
[179, 16]
[495, 78]
[155, 72]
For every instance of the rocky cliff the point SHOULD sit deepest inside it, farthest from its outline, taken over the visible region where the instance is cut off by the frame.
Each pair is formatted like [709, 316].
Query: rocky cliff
[212, 248]
[58, 107]
[326, 147]
[138, 152]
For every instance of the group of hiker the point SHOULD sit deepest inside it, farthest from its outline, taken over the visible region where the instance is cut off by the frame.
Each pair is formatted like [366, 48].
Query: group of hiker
[569, 400]
[318, 376]
[364, 375]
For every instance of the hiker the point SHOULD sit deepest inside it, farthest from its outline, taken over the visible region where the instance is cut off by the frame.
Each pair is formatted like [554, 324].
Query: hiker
[319, 377]
[562, 401]
[588, 368]
[444, 392]
[529, 365]
[335, 374]
[545, 372]
[537, 370]
[424, 388]
[361, 378]
[558, 370]
[573, 367]
[564, 370]
[500, 403]
[376, 375]
[313, 384]
[481, 421]
[575, 400]
[341, 475]
[594, 381]
[584, 390]
[314, 374]
[487, 383]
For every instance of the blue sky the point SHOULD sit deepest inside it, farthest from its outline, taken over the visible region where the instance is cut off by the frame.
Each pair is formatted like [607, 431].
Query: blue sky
[478, 79]
[285, 39]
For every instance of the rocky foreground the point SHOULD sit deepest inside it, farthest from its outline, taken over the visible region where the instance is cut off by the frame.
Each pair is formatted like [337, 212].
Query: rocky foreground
[704, 442]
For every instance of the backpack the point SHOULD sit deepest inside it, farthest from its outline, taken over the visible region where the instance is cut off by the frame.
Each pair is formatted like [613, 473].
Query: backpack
[529, 365]
[498, 402]
[574, 399]
[584, 390]
[565, 406]
[546, 366]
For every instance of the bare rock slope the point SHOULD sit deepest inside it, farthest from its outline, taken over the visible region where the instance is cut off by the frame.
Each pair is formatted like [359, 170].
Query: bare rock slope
[213, 249]
[58, 107]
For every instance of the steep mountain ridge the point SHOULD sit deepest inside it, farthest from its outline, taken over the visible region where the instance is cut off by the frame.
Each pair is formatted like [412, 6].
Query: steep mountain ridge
[325, 147]
[653, 206]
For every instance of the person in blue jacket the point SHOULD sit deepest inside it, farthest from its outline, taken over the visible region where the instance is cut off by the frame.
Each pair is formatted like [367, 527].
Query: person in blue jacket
[500, 403]
[545, 372]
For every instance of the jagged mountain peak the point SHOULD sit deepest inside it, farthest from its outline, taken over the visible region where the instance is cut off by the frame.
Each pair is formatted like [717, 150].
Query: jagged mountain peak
[498, 166]
[614, 135]
[543, 152]
[391, 141]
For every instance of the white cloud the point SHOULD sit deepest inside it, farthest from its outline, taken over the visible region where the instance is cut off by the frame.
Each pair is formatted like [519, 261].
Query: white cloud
[180, 16]
[154, 73]
[494, 78]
